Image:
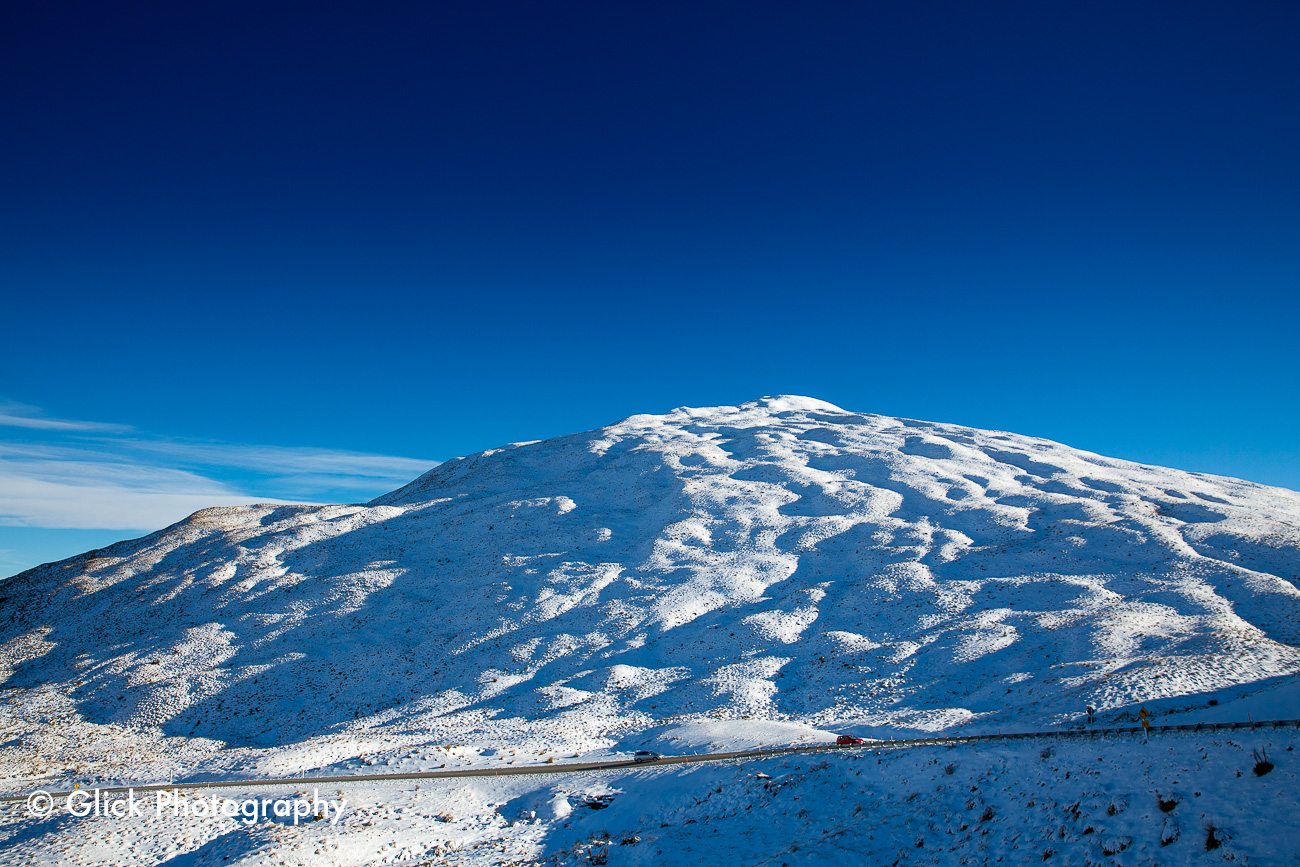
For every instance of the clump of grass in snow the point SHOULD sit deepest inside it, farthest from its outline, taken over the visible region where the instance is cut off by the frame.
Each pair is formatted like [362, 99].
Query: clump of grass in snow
[1262, 764]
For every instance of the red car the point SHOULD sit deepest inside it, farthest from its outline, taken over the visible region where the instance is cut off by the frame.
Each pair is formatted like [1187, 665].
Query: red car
[846, 741]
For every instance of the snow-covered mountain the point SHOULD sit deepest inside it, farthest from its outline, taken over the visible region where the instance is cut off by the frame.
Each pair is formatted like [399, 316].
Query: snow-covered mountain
[782, 560]
[754, 574]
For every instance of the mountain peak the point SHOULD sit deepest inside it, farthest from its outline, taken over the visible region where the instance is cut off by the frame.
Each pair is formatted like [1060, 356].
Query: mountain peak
[793, 403]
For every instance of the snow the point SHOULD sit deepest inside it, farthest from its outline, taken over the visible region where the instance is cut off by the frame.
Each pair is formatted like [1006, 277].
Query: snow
[710, 578]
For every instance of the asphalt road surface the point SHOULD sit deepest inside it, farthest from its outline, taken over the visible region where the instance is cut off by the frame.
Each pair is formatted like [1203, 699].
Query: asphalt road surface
[629, 764]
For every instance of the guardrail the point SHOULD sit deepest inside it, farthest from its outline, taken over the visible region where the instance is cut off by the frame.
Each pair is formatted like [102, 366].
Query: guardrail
[1097, 732]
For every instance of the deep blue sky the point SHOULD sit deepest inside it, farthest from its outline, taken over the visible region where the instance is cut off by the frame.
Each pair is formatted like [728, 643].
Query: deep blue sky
[427, 229]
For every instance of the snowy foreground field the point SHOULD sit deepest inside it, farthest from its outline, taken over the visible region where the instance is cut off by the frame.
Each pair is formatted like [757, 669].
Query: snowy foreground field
[774, 573]
[1177, 800]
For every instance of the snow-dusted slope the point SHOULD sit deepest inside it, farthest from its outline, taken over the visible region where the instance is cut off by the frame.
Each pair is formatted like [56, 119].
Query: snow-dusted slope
[723, 577]
[783, 560]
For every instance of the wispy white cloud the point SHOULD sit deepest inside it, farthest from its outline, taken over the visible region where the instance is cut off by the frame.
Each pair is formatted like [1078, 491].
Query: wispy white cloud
[25, 416]
[288, 461]
[74, 474]
[78, 503]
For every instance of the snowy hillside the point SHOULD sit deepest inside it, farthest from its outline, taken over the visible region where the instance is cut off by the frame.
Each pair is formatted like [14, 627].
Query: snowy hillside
[784, 564]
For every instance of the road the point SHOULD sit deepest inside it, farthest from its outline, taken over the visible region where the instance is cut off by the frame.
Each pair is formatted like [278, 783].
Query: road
[627, 764]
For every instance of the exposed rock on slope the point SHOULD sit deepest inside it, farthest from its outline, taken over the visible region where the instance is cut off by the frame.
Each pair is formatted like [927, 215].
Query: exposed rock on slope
[782, 559]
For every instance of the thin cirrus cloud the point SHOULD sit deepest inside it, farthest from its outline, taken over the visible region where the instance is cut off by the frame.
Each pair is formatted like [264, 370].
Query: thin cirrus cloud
[67, 474]
[24, 416]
